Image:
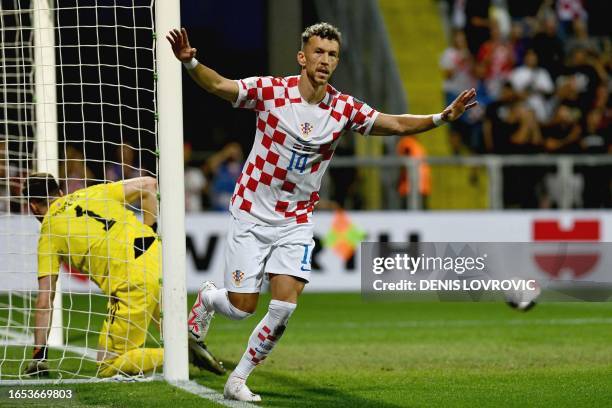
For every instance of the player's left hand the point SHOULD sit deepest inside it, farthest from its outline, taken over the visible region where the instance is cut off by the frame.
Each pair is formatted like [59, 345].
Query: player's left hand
[462, 103]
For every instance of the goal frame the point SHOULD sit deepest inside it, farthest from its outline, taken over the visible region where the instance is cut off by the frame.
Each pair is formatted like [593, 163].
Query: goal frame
[168, 87]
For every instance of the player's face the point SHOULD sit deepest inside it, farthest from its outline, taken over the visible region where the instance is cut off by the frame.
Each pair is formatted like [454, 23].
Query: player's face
[319, 58]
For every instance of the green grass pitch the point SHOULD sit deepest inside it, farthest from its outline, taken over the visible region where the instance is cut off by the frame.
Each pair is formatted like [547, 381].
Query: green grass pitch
[341, 351]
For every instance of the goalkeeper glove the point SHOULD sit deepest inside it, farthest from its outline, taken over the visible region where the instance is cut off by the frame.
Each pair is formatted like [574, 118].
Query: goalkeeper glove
[38, 366]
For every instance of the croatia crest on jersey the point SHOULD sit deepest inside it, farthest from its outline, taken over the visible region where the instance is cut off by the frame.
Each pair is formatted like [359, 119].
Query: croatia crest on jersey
[238, 276]
[305, 129]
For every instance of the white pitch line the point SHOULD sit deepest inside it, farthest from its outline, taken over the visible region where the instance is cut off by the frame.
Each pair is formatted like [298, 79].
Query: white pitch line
[210, 394]
[439, 323]
[16, 338]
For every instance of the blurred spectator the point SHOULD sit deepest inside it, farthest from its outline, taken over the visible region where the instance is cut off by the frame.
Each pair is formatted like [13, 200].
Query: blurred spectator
[457, 65]
[74, 174]
[562, 133]
[568, 11]
[195, 182]
[548, 46]
[501, 121]
[597, 139]
[410, 146]
[519, 42]
[124, 166]
[476, 22]
[511, 128]
[585, 76]
[224, 168]
[497, 57]
[534, 85]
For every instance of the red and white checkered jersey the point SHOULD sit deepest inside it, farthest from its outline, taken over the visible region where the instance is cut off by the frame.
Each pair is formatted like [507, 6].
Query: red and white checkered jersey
[294, 142]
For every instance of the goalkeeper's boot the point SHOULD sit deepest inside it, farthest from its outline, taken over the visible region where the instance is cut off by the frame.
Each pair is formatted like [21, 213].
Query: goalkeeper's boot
[201, 357]
[236, 389]
[200, 316]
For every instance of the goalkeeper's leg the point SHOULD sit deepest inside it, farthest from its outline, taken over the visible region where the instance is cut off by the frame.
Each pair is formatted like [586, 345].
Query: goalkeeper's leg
[134, 362]
[124, 332]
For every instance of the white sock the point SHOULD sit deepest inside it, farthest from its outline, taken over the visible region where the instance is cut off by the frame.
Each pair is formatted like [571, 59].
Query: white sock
[218, 300]
[264, 337]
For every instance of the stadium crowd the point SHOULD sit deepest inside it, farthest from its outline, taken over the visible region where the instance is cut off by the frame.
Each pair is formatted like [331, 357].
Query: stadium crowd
[542, 72]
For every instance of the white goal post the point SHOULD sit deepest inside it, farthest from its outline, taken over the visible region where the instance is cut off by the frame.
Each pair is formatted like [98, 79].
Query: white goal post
[172, 204]
[81, 81]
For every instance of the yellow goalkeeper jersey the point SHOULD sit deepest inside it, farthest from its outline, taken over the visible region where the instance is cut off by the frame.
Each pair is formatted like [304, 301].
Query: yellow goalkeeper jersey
[91, 230]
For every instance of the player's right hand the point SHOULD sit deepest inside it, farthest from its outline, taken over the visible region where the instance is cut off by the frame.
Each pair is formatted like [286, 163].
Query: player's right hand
[180, 45]
[38, 366]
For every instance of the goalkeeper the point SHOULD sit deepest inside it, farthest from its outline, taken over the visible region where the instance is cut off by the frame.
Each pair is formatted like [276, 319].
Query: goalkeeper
[92, 231]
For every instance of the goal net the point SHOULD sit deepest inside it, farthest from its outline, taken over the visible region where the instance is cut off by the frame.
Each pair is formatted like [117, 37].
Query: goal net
[78, 100]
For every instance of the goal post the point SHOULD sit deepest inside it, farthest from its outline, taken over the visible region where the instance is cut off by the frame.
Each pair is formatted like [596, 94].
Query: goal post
[172, 202]
[45, 99]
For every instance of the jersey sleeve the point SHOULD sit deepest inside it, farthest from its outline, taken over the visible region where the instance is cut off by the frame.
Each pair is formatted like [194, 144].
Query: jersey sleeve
[258, 93]
[362, 116]
[48, 252]
[111, 191]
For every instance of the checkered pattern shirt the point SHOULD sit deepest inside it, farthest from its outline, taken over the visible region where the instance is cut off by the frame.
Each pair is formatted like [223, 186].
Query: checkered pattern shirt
[294, 142]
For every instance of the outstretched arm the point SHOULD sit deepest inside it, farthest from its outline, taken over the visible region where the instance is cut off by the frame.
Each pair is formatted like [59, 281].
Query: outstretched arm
[207, 78]
[386, 125]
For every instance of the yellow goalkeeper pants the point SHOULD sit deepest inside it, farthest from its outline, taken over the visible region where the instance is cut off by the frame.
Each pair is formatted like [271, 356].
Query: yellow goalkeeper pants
[130, 311]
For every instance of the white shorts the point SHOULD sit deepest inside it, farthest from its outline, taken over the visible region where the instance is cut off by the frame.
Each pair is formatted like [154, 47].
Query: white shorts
[252, 250]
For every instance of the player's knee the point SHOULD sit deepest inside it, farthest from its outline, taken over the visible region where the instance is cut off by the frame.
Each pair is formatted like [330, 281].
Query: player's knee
[243, 304]
[243, 311]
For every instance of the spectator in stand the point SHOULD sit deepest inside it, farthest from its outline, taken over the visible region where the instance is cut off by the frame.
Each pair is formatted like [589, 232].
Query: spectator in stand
[74, 174]
[497, 57]
[224, 168]
[476, 22]
[597, 179]
[195, 182]
[568, 11]
[410, 146]
[534, 85]
[562, 136]
[519, 42]
[588, 78]
[511, 128]
[548, 46]
[124, 166]
[457, 66]
[562, 133]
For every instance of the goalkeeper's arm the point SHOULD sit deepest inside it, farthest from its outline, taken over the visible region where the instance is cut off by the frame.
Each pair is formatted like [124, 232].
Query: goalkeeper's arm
[145, 190]
[42, 318]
